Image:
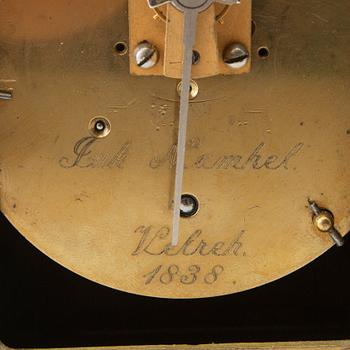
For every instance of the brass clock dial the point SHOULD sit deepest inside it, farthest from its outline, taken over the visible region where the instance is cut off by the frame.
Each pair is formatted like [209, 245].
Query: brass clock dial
[88, 151]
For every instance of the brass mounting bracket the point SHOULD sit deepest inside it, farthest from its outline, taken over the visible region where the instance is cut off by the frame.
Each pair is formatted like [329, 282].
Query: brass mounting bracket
[213, 37]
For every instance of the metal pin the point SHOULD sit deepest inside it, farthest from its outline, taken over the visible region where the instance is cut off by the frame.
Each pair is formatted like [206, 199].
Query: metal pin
[323, 219]
[5, 95]
[336, 236]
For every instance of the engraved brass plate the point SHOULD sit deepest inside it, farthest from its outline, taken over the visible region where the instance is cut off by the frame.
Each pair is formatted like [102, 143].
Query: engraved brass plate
[259, 145]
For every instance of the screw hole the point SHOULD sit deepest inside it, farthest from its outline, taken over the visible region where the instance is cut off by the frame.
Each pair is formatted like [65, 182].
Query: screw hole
[196, 57]
[189, 206]
[263, 52]
[194, 89]
[121, 48]
[99, 127]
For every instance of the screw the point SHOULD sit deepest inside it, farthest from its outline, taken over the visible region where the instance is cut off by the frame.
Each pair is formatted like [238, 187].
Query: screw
[324, 221]
[146, 55]
[5, 95]
[236, 56]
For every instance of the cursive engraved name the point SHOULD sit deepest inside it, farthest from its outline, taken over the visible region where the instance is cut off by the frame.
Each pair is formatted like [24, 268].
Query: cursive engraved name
[85, 156]
[254, 160]
[152, 243]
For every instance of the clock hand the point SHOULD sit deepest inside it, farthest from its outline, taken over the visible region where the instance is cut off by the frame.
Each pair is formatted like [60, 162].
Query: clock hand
[190, 9]
[189, 37]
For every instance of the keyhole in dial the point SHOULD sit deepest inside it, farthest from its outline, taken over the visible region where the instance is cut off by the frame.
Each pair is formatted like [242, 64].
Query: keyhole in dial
[193, 91]
[189, 205]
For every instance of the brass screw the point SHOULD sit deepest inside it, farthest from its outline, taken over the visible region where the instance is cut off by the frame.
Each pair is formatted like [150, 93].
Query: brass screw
[324, 221]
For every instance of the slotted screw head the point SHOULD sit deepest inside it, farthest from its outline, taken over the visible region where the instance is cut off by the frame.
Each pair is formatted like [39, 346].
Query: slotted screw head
[146, 55]
[236, 56]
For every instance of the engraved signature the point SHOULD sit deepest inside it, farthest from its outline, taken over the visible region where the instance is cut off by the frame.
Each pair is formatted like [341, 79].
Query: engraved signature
[152, 242]
[86, 157]
[254, 160]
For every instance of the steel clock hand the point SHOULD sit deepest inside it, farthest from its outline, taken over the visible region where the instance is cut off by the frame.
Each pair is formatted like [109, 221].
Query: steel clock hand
[190, 9]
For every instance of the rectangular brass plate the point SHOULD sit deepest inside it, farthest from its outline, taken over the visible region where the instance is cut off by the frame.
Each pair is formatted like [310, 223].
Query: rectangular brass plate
[212, 36]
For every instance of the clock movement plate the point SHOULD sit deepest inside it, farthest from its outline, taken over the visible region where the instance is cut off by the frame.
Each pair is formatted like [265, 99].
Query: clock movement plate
[260, 145]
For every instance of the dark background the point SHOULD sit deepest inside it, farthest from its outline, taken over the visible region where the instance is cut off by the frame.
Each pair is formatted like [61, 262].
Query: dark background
[45, 305]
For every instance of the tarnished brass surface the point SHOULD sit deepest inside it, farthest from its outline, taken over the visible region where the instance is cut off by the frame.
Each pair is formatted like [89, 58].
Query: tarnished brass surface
[259, 145]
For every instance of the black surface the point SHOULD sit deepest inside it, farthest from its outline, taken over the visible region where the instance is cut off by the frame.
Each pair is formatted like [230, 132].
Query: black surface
[45, 305]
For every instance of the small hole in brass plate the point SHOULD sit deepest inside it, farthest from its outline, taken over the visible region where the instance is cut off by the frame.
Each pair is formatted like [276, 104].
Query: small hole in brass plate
[99, 127]
[263, 52]
[189, 206]
[121, 48]
[194, 89]
[196, 57]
